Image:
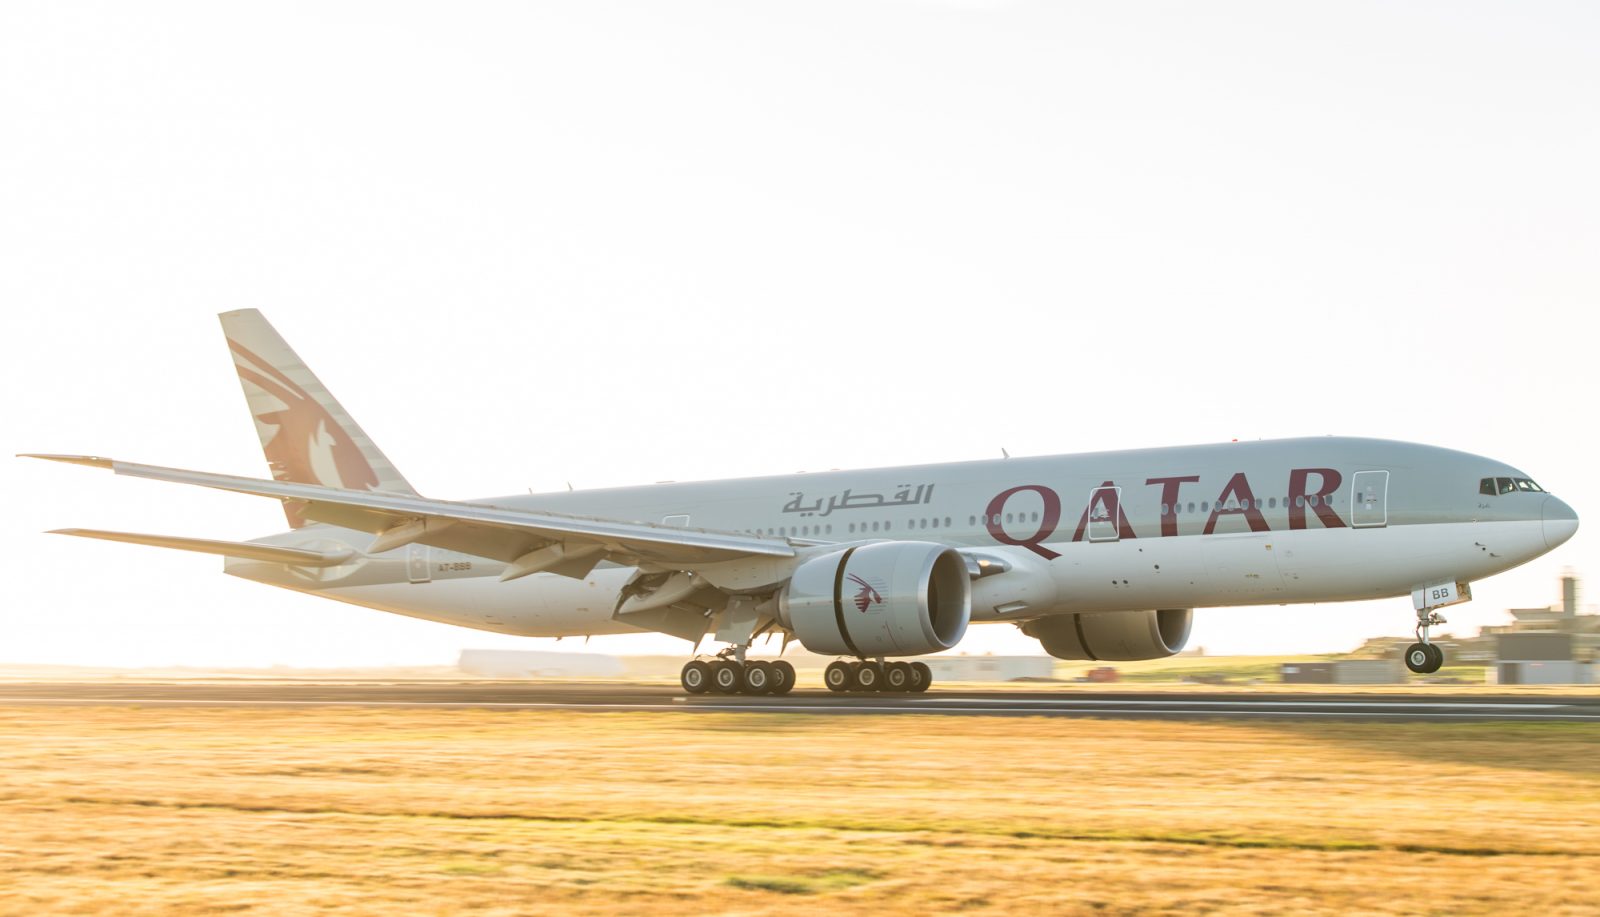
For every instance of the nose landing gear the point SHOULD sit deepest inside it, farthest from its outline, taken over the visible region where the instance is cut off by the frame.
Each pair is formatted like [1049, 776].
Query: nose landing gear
[1423, 657]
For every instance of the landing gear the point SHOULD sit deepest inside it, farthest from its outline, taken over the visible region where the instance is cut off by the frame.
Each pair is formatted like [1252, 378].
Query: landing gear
[838, 676]
[1423, 657]
[728, 675]
[921, 677]
[695, 677]
[872, 676]
[869, 676]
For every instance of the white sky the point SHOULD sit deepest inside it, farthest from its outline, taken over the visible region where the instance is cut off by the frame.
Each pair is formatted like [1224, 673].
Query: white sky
[614, 243]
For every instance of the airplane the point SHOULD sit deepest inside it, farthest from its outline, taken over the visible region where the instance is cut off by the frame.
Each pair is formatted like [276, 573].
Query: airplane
[1098, 556]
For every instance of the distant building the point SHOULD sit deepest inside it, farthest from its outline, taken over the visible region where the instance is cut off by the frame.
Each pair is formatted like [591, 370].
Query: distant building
[989, 668]
[1343, 672]
[1566, 619]
[537, 663]
[1539, 659]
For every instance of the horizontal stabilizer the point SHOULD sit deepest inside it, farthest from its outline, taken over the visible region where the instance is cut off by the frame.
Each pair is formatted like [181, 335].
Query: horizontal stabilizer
[272, 554]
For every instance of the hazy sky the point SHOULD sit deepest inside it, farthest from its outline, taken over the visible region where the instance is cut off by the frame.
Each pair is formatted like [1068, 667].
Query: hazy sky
[615, 243]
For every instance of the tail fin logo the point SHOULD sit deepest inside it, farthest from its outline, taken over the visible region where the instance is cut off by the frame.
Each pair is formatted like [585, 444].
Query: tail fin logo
[867, 596]
[309, 447]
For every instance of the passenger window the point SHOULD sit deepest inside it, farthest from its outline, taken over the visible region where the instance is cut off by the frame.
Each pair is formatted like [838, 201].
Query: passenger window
[1313, 499]
[1299, 501]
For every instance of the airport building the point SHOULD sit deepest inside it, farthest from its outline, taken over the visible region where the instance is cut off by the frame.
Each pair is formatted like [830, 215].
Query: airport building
[990, 668]
[538, 663]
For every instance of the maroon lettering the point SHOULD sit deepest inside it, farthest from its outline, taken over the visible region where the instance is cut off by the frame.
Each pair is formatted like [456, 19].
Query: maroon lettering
[1328, 484]
[1169, 498]
[1047, 523]
[1106, 495]
[1243, 503]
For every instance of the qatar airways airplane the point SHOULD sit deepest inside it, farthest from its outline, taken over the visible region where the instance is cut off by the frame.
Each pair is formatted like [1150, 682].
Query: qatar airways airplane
[1097, 556]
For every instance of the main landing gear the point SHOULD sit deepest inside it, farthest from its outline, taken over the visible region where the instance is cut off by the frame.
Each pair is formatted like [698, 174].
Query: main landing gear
[1423, 657]
[726, 674]
[900, 677]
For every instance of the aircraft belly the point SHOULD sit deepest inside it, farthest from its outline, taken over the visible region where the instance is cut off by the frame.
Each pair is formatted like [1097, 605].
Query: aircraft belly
[541, 605]
[1301, 566]
[1348, 564]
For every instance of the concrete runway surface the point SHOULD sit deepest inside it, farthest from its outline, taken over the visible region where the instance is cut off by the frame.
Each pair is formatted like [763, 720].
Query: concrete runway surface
[1440, 707]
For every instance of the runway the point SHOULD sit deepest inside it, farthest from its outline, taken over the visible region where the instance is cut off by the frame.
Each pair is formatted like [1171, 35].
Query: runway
[600, 697]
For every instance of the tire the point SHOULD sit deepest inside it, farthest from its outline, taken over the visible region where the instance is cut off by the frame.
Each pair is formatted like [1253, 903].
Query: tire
[727, 677]
[921, 677]
[897, 677]
[1418, 658]
[695, 677]
[758, 678]
[869, 677]
[838, 677]
[1438, 658]
[782, 678]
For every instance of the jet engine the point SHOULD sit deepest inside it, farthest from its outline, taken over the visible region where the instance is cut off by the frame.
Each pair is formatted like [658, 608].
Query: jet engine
[1118, 636]
[889, 598]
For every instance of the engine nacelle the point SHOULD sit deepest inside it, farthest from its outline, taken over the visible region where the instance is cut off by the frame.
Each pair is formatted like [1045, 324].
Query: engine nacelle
[1116, 636]
[889, 598]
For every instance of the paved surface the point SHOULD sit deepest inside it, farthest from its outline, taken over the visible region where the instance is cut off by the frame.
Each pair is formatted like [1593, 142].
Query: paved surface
[611, 697]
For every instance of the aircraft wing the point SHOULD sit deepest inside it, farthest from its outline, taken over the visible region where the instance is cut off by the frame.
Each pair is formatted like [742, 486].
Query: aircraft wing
[528, 541]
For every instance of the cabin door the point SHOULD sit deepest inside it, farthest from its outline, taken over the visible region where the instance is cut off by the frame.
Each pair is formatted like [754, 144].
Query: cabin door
[417, 563]
[1369, 499]
[1105, 512]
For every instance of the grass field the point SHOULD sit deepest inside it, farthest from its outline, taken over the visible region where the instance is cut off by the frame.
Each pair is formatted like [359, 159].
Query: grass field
[329, 810]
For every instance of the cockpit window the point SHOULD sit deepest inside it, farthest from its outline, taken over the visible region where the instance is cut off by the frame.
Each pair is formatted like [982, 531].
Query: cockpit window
[1497, 486]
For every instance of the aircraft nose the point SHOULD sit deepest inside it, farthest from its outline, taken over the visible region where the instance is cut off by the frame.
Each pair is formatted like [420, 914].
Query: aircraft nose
[1560, 522]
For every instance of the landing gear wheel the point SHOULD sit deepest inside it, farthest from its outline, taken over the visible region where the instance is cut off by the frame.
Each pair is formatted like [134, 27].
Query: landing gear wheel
[1424, 658]
[758, 677]
[695, 677]
[921, 677]
[727, 676]
[782, 678]
[837, 676]
[869, 677]
[897, 677]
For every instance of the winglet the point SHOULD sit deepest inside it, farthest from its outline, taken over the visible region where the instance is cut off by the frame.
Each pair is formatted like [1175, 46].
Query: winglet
[94, 461]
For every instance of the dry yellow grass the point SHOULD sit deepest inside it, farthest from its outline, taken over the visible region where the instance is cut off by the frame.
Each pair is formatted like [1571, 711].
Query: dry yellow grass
[177, 811]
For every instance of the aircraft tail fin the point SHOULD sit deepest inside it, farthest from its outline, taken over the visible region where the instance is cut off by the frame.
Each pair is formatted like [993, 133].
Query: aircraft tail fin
[308, 437]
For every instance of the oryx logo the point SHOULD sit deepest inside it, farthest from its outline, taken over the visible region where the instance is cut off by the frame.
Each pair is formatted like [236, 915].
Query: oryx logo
[867, 595]
[308, 445]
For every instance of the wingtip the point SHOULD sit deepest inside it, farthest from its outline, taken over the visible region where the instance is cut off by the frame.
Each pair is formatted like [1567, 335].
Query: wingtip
[94, 461]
